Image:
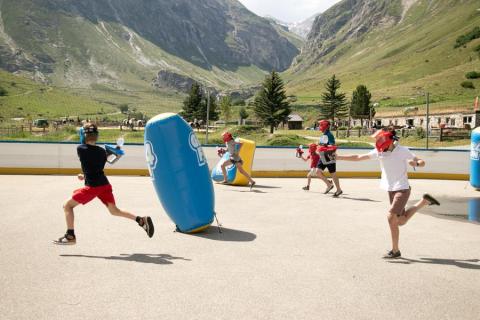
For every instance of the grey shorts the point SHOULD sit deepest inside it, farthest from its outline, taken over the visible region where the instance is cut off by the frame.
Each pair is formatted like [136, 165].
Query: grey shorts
[236, 160]
[399, 200]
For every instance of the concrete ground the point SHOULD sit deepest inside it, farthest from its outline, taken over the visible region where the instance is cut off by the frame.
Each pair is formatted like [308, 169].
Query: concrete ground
[284, 254]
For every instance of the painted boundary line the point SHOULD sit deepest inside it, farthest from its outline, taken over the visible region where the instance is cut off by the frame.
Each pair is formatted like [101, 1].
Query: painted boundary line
[256, 174]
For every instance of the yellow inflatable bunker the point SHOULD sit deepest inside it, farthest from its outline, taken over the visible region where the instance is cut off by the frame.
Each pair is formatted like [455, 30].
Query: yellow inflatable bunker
[246, 151]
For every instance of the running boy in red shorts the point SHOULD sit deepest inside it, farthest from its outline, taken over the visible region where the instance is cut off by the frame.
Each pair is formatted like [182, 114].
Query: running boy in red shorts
[93, 159]
[314, 159]
[393, 162]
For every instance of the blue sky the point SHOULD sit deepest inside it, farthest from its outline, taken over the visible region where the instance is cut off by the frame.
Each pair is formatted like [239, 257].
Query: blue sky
[288, 10]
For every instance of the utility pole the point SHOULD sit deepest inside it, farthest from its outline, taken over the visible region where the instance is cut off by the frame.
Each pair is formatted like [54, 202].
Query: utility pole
[208, 115]
[428, 116]
[375, 105]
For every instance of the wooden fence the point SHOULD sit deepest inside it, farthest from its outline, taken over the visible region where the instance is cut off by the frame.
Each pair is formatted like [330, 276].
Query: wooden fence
[440, 134]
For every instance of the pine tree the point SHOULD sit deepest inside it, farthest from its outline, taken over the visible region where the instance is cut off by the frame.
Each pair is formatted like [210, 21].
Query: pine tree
[361, 106]
[243, 114]
[334, 104]
[226, 108]
[192, 103]
[201, 114]
[214, 114]
[271, 105]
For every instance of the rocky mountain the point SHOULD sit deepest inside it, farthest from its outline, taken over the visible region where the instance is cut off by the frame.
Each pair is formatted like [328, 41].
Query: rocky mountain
[348, 20]
[304, 27]
[301, 29]
[395, 47]
[127, 43]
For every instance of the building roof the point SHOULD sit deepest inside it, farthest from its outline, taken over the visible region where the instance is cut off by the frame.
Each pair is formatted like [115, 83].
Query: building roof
[422, 112]
[294, 118]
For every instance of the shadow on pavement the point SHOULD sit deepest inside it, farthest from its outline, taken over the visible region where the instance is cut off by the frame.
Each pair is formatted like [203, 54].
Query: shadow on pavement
[357, 199]
[464, 264]
[226, 235]
[253, 190]
[259, 186]
[136, 257]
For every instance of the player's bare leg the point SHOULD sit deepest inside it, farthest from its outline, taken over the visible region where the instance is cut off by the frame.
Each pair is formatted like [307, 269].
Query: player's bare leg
[426, 201]
[224, 170]
[322, 177]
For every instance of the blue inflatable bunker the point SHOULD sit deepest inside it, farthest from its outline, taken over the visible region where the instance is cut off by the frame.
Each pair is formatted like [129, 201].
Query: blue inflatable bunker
[179, 172]
[475, 159]
[217, 174]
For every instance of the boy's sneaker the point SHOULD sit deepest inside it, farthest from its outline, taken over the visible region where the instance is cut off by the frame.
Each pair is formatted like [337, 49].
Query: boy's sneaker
[147, 225]
[306, 188]
[392, 255]
[431, 200]
[66, 240]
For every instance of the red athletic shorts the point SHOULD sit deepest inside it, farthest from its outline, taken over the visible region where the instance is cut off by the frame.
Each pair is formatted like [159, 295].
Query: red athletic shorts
[87, 194]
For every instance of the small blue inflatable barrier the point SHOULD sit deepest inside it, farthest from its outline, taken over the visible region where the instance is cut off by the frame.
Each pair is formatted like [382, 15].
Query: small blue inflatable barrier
[217, 174]
[179, 171]
[475, 159]
[246, 151]
[474, 210]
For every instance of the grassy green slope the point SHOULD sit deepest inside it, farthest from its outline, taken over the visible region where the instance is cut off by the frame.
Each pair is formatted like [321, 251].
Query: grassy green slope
[28, 99]
[86, 52]
[404, 61]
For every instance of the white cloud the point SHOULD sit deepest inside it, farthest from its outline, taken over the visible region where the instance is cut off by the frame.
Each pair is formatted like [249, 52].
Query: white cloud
[288, 10]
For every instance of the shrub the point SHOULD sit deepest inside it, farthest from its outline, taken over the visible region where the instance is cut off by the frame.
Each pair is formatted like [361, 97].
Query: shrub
[467, 85]
[420, 133]
[3, 92]
[123, 108]
[477, 48]
[246, 130]
[238, 102]
[286, 140]
[70, 129]
[472, 75]
[466, 38]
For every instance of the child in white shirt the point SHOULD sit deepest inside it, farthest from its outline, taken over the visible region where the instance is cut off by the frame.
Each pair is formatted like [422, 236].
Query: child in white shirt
[393, 162]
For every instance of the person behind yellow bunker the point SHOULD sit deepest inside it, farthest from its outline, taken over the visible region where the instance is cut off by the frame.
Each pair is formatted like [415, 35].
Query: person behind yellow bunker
[235, 159]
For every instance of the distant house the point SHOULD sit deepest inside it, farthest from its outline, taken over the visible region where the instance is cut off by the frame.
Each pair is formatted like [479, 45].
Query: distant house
[295, 122]
[465, 119]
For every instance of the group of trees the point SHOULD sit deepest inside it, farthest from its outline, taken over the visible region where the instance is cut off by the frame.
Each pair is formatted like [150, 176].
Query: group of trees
[272, 107]
[195, 105]
[335, 106]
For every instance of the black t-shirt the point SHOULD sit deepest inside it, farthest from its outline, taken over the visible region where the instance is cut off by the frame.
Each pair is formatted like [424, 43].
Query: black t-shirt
[93, 159]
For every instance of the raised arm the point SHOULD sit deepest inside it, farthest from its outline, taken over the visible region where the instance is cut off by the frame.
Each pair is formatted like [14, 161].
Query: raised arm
[354, 157]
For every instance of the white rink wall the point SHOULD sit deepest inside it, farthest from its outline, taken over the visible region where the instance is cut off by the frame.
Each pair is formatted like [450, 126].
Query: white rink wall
[64, 156]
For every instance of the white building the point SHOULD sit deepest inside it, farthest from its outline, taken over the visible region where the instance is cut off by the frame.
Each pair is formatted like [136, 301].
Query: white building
[466, 119]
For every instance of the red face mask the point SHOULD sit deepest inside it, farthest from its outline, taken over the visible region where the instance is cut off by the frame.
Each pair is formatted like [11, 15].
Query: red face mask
[324, 125]
[384, 141]
[227, 137]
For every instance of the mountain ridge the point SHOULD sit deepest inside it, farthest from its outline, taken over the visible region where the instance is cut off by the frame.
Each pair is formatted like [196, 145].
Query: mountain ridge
[400, 49]
[66, 40]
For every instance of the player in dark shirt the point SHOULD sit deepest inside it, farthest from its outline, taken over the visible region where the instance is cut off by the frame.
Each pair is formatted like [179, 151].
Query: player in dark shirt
[327, 159]
[93, 159]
